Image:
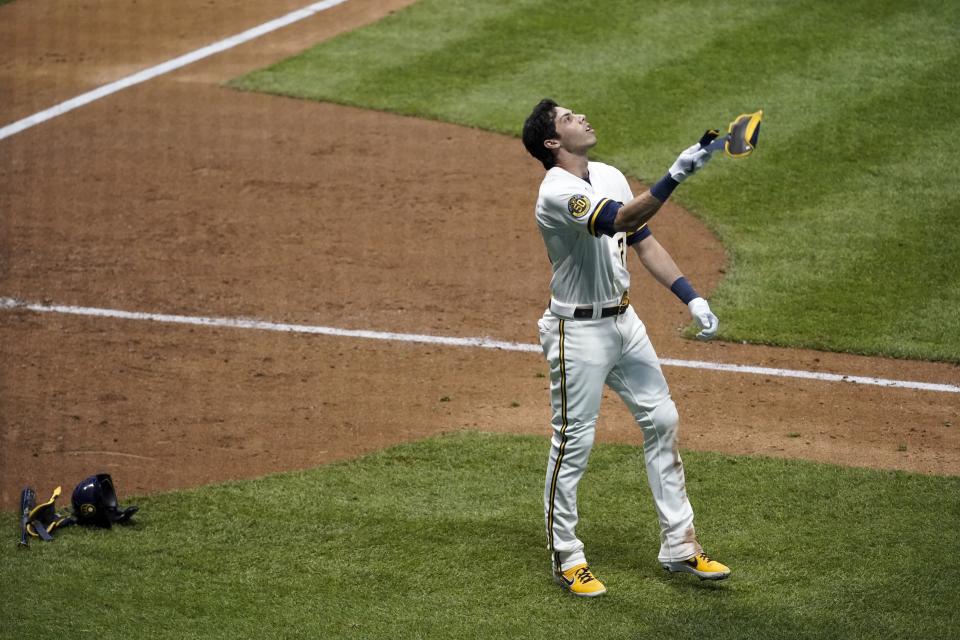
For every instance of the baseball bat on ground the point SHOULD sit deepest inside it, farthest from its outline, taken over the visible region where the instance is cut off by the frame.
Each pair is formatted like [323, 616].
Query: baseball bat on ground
[28, 500]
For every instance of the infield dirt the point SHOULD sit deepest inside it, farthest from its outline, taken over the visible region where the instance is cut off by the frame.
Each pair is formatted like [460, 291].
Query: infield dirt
[182, 196]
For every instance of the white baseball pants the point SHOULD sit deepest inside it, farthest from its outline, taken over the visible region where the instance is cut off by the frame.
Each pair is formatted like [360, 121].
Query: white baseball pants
[584, 355]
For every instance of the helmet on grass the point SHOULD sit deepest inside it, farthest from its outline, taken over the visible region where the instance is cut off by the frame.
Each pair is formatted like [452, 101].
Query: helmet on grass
[95, 503]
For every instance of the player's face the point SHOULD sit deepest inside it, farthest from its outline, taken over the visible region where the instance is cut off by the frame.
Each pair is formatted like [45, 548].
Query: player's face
[573, 130]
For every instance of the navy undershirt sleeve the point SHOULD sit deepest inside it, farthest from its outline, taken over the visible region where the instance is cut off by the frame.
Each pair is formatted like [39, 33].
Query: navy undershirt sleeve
[638, 235]
[603, 218]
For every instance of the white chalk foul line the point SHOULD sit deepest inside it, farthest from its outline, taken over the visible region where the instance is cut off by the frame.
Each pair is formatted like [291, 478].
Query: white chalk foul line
[811, 375]
[166, 67]
[483, 343]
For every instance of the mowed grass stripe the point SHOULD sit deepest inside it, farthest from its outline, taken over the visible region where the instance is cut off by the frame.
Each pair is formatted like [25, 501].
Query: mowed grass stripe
[444, 538]
[908, 230]
[838, 228]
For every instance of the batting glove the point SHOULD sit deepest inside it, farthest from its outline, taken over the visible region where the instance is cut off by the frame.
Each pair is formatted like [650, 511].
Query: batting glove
[708, 322]
[689, 162]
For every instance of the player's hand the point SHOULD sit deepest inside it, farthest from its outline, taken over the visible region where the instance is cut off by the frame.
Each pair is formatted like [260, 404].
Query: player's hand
[689, 162]
[708, 322]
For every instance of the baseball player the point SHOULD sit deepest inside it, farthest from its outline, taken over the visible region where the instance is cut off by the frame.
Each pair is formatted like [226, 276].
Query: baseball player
[591, 336]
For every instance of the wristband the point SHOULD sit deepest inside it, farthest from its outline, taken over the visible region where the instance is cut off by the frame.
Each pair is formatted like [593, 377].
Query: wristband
[664, 187]
[682, 288]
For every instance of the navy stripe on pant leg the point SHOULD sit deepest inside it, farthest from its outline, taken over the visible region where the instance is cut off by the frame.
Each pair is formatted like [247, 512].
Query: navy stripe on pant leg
[563, 446]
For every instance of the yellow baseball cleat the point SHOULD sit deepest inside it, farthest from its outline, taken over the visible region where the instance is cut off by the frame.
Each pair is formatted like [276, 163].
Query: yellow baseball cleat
[580, 582]
[701, 566]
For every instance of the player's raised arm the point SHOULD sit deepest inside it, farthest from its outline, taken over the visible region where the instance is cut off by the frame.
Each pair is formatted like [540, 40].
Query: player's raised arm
[639, 210]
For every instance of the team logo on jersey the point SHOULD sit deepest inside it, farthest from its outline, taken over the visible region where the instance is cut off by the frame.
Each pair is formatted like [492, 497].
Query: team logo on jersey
[578, 206]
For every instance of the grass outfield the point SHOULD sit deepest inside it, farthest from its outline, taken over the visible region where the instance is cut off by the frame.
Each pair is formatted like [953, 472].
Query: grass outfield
[444, 539]
[842, 227]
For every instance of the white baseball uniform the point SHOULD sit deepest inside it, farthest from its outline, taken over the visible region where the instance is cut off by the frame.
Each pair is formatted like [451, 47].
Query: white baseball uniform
[588, 347]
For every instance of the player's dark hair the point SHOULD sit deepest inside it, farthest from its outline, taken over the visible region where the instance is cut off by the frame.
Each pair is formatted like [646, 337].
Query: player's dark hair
[538, 128]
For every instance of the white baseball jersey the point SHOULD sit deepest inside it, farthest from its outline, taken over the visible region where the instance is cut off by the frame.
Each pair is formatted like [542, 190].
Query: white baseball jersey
[589, 266]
